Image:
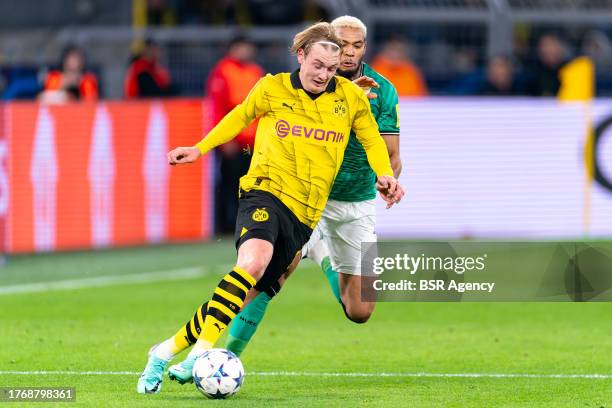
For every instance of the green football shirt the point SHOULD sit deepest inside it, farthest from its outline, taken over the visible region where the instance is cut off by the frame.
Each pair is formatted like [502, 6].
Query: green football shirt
[355, 180]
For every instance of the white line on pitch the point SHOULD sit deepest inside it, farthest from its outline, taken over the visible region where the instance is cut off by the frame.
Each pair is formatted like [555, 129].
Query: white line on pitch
[135, 278]
[315, 374]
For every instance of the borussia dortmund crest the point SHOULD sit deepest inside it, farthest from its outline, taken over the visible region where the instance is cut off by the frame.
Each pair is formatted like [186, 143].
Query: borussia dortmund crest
[339, 108]
[260, 215]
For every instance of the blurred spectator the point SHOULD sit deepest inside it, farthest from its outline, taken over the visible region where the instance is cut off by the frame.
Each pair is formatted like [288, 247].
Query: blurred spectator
[543, 74]
[499, 78]
[71, 82]
[464, 60]
[393, 63]
[160, 13]
[146, 77]
[228, 84]
[598, 47]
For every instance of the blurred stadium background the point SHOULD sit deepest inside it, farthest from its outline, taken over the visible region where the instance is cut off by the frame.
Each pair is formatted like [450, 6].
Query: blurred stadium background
[447, 39]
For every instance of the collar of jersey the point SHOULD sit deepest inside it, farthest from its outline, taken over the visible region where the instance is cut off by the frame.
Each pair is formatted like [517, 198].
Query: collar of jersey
[297, 84]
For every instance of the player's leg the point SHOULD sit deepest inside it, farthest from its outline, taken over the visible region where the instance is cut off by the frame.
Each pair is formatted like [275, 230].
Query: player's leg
[288, 235]
[189, 333]
[256, 232]
[186, 336]
[345, 228]
[227, 300]
[242, 329]
[252, 313]
[182, 372]
[345, 287]
[356, 309]
[160, 354]
[317, 251]
[245, 324]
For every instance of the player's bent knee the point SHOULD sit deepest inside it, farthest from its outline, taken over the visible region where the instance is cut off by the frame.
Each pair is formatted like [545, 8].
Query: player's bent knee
[360, 314]
[254, 256]
[254, 267]
[358, 318]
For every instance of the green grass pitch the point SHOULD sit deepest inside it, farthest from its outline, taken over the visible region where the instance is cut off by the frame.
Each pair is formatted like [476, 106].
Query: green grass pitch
[108, 329]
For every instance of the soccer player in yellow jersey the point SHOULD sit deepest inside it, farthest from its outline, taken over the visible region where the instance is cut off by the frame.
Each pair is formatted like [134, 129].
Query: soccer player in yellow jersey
[305, 121]
[349, 218]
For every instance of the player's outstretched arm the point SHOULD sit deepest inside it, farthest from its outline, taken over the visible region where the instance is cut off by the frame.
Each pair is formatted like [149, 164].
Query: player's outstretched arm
[228, 128]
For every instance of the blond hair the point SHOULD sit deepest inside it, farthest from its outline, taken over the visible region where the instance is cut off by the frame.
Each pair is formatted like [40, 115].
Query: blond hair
[350, 22]
[319, 33]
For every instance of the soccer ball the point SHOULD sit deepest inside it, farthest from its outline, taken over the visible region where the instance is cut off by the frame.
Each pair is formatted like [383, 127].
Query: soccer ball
[218, 373]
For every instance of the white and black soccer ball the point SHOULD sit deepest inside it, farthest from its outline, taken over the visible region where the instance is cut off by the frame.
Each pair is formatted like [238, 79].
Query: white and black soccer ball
[218, 373]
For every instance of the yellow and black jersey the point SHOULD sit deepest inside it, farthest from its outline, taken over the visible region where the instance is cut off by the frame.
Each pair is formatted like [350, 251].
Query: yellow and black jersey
[301, 139]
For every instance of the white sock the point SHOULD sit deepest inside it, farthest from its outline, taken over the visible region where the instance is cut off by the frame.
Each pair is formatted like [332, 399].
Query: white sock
[318, 252]
[164, 350]
[199, 348]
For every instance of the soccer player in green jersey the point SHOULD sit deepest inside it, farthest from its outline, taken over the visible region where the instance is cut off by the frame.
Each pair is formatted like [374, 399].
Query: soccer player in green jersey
[349, 217]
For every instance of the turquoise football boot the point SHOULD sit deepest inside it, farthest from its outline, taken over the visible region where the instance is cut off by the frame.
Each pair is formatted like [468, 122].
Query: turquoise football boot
[150, 380]
[183, 371]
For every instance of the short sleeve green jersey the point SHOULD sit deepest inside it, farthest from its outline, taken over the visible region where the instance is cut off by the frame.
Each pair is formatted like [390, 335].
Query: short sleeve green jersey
[356, 180]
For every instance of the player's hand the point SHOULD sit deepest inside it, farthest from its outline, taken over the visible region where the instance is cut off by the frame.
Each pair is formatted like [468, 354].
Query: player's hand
[366, 83]
[390, 190]
[183, 155]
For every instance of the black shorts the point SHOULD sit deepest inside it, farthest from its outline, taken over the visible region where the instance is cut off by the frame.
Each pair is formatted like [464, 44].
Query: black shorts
[262, 215]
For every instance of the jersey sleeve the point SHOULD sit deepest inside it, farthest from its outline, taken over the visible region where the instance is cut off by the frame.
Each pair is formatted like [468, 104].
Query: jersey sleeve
[388, 120]
[254, 105]
[366, 131]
